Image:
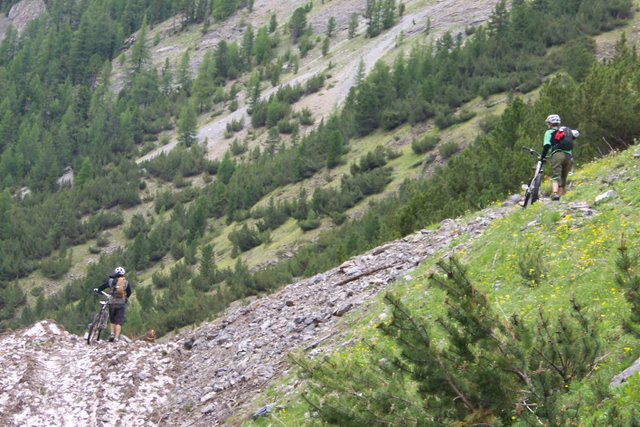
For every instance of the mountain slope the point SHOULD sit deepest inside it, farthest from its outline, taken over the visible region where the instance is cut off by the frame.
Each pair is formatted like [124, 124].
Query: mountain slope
[216, 371]
[342, 62]
[203, 376]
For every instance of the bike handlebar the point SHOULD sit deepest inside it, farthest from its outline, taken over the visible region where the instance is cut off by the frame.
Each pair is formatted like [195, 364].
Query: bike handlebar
[103, 293]
[531, 151]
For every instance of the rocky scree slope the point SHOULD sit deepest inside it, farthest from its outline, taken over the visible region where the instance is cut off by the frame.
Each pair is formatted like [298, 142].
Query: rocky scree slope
[443, 15]
[202, 376]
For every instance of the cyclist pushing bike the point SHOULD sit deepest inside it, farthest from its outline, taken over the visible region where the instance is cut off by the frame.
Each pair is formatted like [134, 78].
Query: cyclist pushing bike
[558, 140]
[120, 293]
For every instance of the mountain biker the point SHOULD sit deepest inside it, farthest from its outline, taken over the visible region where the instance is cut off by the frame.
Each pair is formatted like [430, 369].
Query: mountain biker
[561, 160]
[117, 307]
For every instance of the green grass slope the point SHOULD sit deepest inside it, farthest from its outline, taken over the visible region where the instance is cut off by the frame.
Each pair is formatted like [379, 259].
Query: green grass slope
[539, 257]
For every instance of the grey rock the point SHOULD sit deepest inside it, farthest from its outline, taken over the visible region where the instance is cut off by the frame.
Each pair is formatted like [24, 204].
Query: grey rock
[605, 196]
[621, 378]
[515, 198]
[208, 409]
[208, 397]
[342, 310]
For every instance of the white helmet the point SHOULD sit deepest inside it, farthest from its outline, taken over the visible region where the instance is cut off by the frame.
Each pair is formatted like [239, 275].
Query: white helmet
[575, 133]
[553, 119]
[119, 271]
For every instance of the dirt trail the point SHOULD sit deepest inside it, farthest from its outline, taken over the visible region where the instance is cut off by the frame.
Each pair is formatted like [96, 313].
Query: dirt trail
[445, 15]
[50, 377]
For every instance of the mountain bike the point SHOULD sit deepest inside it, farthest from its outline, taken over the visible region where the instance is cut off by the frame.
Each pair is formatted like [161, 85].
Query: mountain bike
[99, 322]
[532, 191]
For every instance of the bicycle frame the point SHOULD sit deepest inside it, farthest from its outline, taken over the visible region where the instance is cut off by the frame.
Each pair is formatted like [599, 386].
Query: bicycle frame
[99, 322]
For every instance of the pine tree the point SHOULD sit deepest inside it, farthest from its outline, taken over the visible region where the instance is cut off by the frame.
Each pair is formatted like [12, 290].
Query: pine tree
[207, 263]
[298, 23]
[203, 85]
[222, 9]
[85, 173]
[248, 47]
[628, 278]
[226, 169]
[166, 79]
[325, 46]
[262, 46]
[488, 370]
[187, 125]
[353, 25]
[388, 14]
[140, 55]
[184, 73]
[331, 26]
[273, 23]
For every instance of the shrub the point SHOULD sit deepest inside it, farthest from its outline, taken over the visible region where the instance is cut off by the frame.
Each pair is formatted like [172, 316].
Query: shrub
[425, 144]
[312, 222]
[160, 280]
[530, 265]
[103, 221]
[305, 117]
[393, 153]
[464, 116]
[393, 117]
[444, 119]
[235, 125]
[448, 149]
[276, 111]
[237, 148]
[419, 110]
[487, 124]
[245, 238]
[55, 266]
[102, 240]
[314, 84]
[285, 126]
[289, 94]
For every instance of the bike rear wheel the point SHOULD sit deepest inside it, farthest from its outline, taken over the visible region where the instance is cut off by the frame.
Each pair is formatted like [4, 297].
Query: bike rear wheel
[97, 326]
[535, 188]
[527, 197]
[94, 330]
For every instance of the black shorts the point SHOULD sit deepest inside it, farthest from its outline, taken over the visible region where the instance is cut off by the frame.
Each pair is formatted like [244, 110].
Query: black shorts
[116, 314]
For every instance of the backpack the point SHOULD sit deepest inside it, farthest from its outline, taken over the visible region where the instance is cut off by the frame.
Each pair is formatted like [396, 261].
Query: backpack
[119, 289]
[562, 139]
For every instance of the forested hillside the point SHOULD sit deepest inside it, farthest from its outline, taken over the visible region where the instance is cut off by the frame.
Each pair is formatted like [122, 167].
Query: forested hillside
[60, 110]
[101, 105]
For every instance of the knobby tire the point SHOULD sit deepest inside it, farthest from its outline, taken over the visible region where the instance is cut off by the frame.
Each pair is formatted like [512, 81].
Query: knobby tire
[527, 196]
[535, 190]
[93, 329]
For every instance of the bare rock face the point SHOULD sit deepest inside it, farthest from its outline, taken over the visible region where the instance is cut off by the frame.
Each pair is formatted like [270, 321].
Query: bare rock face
[21, 14]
